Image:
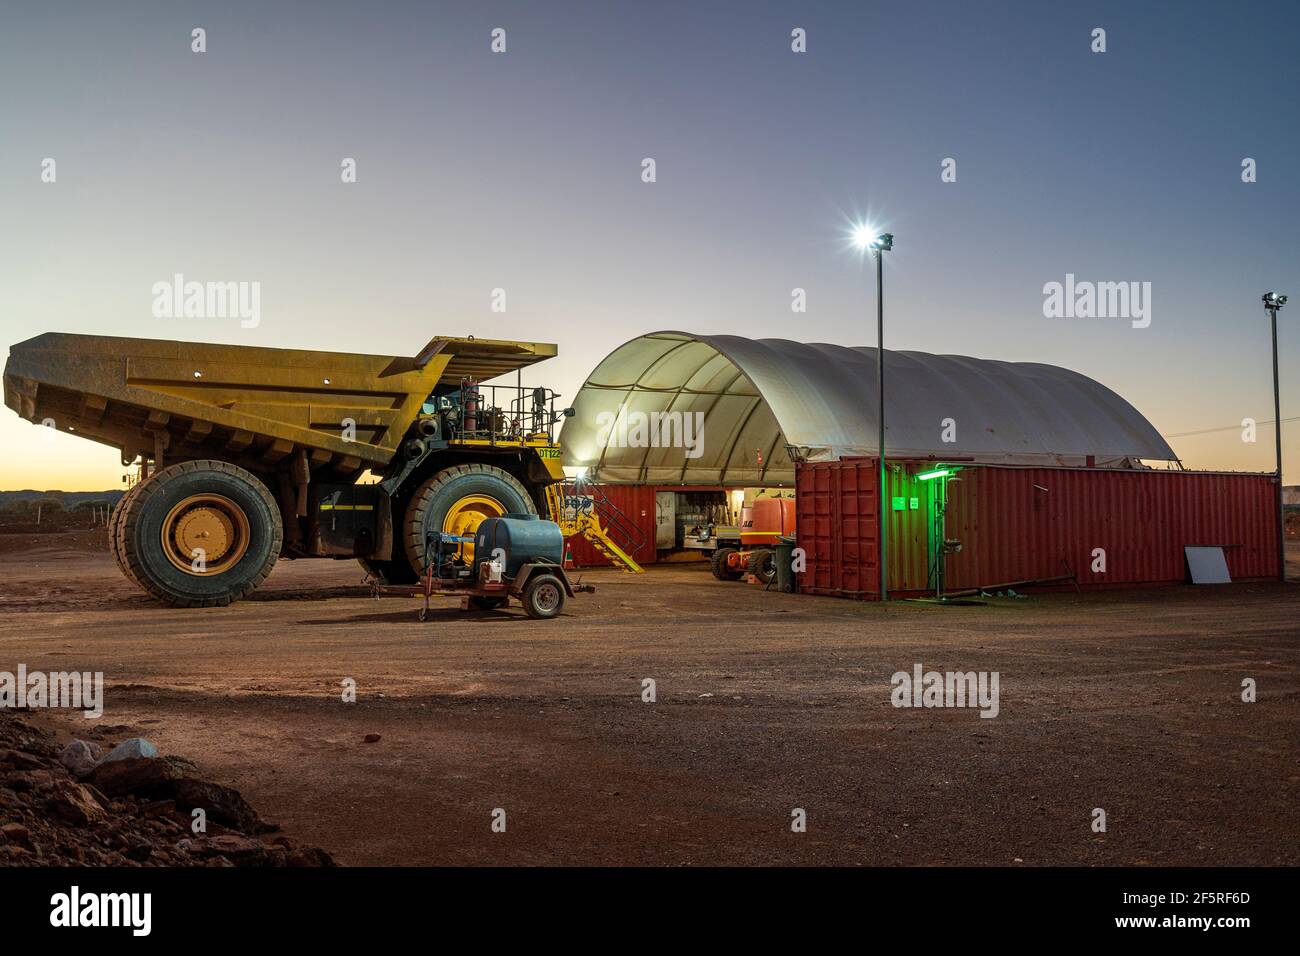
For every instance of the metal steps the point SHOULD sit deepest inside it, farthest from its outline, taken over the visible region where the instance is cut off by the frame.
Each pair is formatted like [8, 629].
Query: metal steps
[575, 521]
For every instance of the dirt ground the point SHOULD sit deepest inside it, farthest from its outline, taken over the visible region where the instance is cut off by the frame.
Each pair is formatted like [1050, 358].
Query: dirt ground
[1128, 700]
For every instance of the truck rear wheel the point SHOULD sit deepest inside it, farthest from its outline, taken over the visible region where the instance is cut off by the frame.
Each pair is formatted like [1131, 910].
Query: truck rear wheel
[114, 520]
[200, 533]
[455, 501]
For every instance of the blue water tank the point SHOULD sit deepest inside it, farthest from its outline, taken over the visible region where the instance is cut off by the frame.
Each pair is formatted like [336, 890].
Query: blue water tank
[523, 538]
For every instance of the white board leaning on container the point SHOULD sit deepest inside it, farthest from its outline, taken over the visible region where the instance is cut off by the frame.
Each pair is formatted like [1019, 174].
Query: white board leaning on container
[1207, 565]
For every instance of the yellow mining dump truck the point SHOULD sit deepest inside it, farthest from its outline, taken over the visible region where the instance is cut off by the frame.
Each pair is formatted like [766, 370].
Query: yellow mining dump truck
[250, 454]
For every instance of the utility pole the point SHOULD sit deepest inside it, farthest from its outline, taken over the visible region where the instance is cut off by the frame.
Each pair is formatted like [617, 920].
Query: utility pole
[1272, 302]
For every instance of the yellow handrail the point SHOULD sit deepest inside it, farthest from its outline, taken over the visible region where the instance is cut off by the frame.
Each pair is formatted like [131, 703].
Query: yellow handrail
[590, 528]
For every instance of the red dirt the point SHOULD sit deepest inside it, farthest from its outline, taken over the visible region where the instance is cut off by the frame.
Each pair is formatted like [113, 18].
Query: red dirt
[1126, 700]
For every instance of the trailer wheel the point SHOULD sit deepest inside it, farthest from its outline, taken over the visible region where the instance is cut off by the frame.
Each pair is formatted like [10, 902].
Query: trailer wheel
[455, 501]
[200, 533]
[543, 596]
[762, 565]
[718, 564]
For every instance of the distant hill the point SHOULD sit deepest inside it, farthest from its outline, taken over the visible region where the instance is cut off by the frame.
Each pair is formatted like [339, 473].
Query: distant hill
[69, 499]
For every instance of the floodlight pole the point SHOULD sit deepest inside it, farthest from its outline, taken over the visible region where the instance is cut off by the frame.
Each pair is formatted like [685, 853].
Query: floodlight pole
[1272, 308]
[880, 415]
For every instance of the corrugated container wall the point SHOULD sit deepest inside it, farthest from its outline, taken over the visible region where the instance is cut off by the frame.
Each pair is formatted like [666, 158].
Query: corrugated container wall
[637, 503]
[1020, 524]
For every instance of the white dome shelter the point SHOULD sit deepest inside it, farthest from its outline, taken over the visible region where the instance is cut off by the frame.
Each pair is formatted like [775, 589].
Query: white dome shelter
[762, 404]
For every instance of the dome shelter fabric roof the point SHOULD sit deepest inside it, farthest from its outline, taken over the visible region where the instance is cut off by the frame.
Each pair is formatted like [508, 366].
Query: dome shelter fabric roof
[761, 404]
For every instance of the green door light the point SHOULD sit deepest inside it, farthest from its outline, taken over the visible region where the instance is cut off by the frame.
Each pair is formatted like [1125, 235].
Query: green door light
[937, 473]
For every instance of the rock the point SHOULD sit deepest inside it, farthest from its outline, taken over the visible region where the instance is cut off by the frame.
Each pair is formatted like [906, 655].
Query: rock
[80, 757]
[59, 807]
[133, 749]
[98, 795]
[309, 856]
[76, 804]
[133, 775]
[31, 780]
[19, 760]
[15, 834]
[373, 738]
[158, 808]
[225, 805]
[235, 848]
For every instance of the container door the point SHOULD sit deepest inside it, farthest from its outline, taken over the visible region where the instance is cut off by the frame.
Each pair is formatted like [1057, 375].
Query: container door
[665, 519]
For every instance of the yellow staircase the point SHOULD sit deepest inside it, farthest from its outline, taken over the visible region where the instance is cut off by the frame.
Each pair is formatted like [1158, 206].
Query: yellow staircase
[588, 526]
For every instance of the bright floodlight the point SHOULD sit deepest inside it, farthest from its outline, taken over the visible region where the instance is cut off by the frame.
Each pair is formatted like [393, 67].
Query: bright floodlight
[863, 236]
[866, 237]
[1274, 300]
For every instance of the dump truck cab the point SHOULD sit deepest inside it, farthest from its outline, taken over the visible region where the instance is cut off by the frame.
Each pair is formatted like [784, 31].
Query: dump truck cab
[249, 454]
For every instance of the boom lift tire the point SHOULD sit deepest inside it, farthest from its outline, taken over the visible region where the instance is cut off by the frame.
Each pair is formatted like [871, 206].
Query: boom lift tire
[455, 500]
[762, 565]
[200, 533]
[718, 565]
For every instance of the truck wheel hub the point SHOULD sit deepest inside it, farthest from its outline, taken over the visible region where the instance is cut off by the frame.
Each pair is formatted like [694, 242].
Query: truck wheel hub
[464, 517]
[205, 534]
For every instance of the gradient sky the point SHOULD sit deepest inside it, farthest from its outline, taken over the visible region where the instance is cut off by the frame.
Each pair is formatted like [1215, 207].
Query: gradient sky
[522, 171]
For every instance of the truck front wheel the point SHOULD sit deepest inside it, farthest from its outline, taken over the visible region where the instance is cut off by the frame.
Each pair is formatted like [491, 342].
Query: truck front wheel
[199, 533]
[455, 501]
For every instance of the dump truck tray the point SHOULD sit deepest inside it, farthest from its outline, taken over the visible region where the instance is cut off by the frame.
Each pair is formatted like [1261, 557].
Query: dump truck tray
[150, 397]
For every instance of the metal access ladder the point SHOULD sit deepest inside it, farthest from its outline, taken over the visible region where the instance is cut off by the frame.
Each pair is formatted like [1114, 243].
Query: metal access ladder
[568, 511]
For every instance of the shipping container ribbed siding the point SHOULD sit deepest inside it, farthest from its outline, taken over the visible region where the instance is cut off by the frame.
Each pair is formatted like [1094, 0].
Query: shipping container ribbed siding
[1028, 524]
[637, 502]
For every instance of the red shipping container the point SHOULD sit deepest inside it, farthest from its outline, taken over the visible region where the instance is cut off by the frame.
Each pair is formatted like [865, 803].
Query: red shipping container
[1020, 524]
[637, 503]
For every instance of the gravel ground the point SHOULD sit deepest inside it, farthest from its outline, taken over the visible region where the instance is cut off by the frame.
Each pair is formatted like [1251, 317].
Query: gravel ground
[1129, 701]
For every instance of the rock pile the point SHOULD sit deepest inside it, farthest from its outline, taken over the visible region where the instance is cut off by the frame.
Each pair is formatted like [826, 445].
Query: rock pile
[77, 806]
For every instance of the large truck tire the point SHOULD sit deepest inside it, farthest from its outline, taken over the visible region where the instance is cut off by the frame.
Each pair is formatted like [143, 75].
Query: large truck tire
[455, 501]
[200, 533]
[114, 521]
